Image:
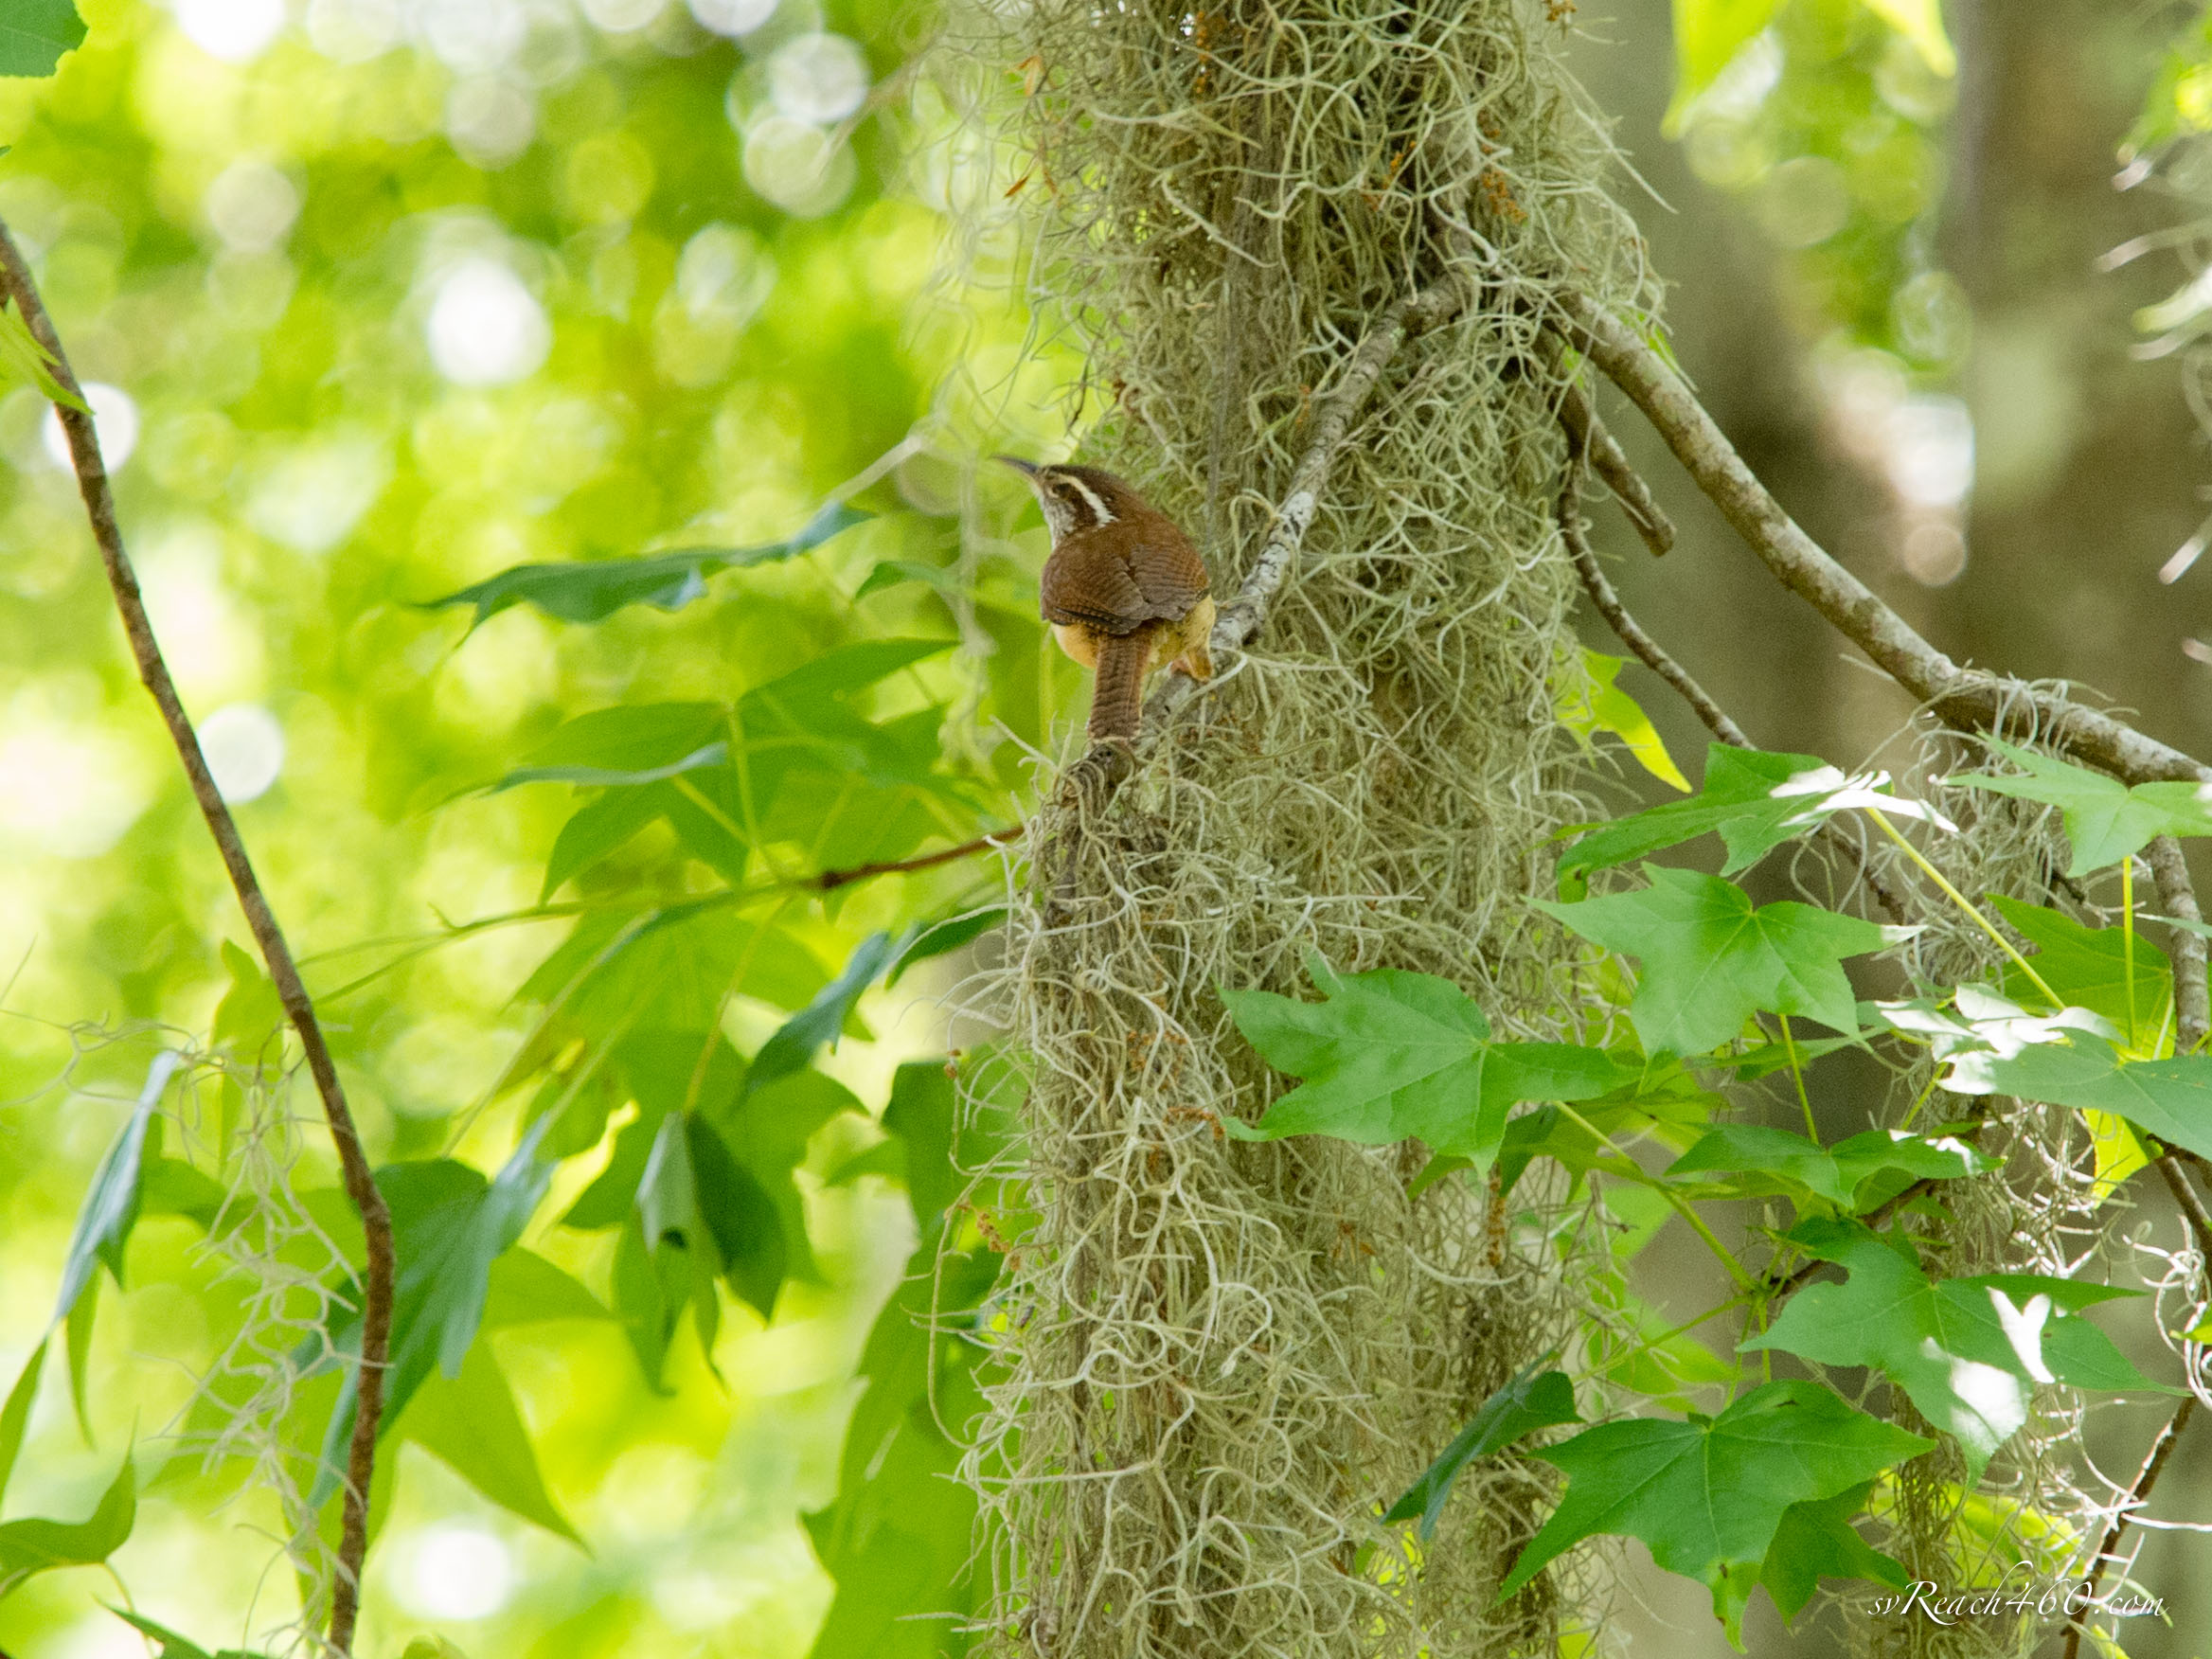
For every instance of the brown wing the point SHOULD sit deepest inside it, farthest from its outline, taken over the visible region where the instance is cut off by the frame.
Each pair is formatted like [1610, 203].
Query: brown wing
[1123, 578]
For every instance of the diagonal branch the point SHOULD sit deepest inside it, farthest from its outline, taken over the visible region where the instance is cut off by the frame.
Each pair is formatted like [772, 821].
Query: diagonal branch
[2153, 1464]
[1589, 434]
[376, 1221]
[1968, 698]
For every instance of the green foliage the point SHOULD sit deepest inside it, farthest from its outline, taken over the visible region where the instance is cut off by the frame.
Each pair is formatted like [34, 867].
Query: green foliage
[111, 1208]
[668, 581]
[20, 350]
[35, 33]
[1967, 1351]
[897, 1537]
[1855, 1175]
[1711, 958]
[1391, 1055]
[1707, 36]
[32, 1547]
[1708, 1495]
[172, 1644]
[2090, 967]
[2169, 1099]
[1738, 801]
[2106, 820]
[1535, 1399]
[1587, 701]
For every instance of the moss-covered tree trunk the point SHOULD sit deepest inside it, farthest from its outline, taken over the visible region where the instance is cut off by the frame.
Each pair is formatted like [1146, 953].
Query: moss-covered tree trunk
[1223, 1357]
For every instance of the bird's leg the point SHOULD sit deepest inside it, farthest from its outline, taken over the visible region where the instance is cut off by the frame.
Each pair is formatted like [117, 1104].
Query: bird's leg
[1116, 700]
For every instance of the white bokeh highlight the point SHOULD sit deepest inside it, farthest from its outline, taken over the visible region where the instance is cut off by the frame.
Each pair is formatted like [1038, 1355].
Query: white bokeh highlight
[485, 328]
[621, 16]
[454, 1570]
[251, 206]
[818, 79]
[1931, 458]
[66, 789]
[732, 17]
[243, 745]
[237, 32]
[115, 422]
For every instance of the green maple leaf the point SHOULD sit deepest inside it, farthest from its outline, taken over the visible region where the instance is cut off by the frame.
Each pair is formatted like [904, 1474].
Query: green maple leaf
[1854, 1174]
[2087, 966]
[1967, 1351]
[1708, 1495]
[1391, 1055]
[1711, 958]
[1738, 801]
[1815, 1541]
[2105, 819]
[2171, 1099]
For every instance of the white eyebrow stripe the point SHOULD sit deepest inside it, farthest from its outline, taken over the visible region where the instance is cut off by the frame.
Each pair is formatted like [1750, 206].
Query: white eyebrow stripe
[1099, 510]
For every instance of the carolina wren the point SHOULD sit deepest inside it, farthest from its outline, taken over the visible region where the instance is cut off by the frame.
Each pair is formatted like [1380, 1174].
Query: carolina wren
[1124, 589]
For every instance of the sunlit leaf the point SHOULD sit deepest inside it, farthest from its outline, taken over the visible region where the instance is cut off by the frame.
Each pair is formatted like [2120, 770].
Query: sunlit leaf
[20, 351]
[1710, 958]
[15, 1414]
[250, 1012]
[32, 1547]
[2171, 1099]
[1707, 36]
[942, 938]
[594, 590]
[1588, 702]
[1708, 1495]
[471, 1422]
[111, 1208]
[1967, 1351]
[1921, 23]
[2088, 966]
[2105, 819]
[1738, 801]
[1533, 1399]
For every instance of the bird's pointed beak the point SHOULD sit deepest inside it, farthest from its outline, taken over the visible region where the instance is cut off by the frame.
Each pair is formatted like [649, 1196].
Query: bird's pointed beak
[1027, 468]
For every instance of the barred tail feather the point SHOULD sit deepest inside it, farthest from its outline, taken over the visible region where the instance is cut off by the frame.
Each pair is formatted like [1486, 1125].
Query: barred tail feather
[1116, 701]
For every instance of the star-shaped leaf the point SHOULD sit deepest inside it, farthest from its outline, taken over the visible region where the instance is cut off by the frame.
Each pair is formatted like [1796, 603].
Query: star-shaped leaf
[2105, 819]
[1711, 958]
[1816, 1541]
[1738, 801]
[1533, 1399]
[1967, 1351]
[2171, 1099]
[1391, 1055]
[1854, 1174]
[1708, 1495]
[2088, 966]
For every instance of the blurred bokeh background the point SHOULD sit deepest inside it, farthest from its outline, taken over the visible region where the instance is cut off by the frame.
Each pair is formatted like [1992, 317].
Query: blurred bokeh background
[380, 297]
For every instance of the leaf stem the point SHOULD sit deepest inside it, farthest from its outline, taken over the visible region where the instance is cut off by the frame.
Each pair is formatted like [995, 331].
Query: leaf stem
[1681, 1205]
[1960, 899]
[1797, 1075]
[2128, 937]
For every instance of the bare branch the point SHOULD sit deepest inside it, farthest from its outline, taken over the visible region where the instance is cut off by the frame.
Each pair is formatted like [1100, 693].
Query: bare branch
[829, 880]
[1589, 434]
[376, 1221]
[1968, 698]
[2154, 1463]
[2177, 897]
[1600, 590]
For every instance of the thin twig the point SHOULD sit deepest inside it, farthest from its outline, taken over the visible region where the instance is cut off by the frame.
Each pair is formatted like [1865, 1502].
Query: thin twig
[1589, 434]
[1967, 698]
[829, 880]
[1632, 632]
[1653, 654]
[2192, 1206]
[2154, 1463]
[376, 1222]
[2177, 897]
